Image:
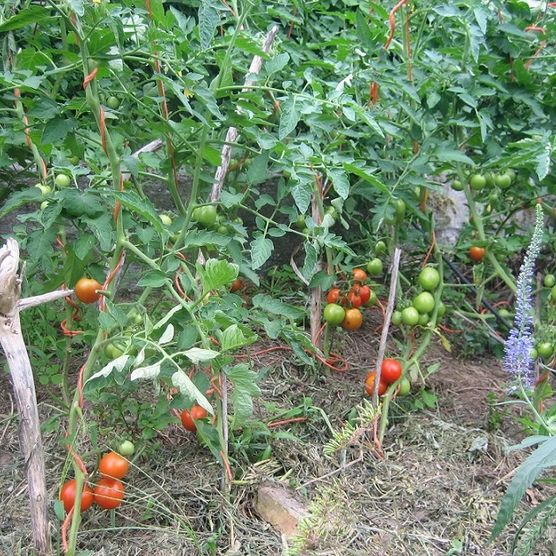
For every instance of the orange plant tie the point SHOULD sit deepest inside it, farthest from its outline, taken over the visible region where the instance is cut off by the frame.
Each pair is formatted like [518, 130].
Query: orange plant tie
[275, 424]
[102, 129]
[392, 21]
[226, 465]
[64, 533]
[89, 78]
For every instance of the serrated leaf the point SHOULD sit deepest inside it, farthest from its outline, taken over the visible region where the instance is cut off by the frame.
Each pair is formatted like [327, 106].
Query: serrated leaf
[302, 194]
[143, 207]
[150, 372]
[233, 338]
[258, 170]
[340, 182]
[181, 381]
[289, 118]
[277, 307]
[217, 273]
[203, 238]
[451, 155]
[366, 176]
[56, 130]
[244, 382]
[543, 162]
[208, 22]
[153, 279]
[261, 249]
[198, 355]
[310, 263]
[19, 199]
[167, 316]
[27, 16]
[277, 63]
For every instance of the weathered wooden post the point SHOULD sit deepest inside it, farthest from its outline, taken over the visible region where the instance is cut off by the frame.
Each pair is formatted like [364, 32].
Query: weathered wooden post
[21, 373]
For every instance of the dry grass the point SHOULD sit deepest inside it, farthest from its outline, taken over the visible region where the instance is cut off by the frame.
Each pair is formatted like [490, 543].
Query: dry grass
[429, 494]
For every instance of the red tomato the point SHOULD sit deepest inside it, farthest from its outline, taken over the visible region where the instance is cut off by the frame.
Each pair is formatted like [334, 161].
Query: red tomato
[370, 384]
[365, 294]
[67, 496]
[390, 371]
[113, 465]
[109, 493]
[188, 418]
[354, 299]
[333, 295]
[237, 285]
[476, 254]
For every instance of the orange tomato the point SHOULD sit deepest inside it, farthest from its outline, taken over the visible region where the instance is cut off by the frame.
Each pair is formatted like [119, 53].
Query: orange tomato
[354, 299]
[237, 285]
[370, 384]
[188, 418]
[359, 275]
[353, 319]
[365, 294]
[86, 290]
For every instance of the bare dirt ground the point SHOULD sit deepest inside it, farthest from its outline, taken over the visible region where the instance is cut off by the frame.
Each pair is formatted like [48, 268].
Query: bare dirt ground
[431, 494]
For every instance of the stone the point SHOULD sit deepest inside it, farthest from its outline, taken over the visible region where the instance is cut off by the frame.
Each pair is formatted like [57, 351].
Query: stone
[278, 505]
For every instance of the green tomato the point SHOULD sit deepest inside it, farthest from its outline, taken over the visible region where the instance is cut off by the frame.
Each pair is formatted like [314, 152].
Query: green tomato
[222, 230]
[477, 182]
[429, 278]
[549, 280]
[300, 222]
[533, 353]
[74, 159]
[206, 216]
[380, 247]
[399, 209]
[545, 349]
[505, 314]
[441, 309]
[424, 303]
[113, 351]
[239, 221]
[424, 319]
[410, 316]
[553, 293]
[334, 314]
[503, 180]
[489, 178]
[373, 300]
[166, 220]
[331, 211]
[512, 174]
[62, 180]
[375, 267]
[113, 102]
[396, 318]
[405, 387]
[457, 185]
[44, 189]
[126, 448]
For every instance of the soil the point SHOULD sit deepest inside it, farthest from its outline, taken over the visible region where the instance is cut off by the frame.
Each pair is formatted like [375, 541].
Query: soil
[435, 491]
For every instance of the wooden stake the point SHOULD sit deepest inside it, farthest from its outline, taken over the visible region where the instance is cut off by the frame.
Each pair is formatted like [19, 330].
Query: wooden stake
[23, 385]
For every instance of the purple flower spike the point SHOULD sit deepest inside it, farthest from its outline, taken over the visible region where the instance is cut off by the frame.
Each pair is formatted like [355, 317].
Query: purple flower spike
[518, 346]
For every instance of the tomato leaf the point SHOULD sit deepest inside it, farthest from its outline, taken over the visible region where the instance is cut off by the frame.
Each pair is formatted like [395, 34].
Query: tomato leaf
[150, 372]
[289, 117]
[261, 249]
[32, 14]
[244, 381]
[183, 382]
[277, 307]
[217, 273]
[198, 355]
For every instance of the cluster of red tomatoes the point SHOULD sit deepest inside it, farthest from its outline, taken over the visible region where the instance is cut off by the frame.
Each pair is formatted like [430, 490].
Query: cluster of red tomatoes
[109, 490]
[344, 308]
[390, 372]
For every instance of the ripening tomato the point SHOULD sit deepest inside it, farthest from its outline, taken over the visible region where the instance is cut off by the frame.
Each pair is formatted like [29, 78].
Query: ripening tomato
[109, 493]
[237, 285]
[113, 466]
[354, 299]
[198, 412]
[353, 319]
[476, 253]
[333, 295]
[359, 275]
[365, 294]
[370, 384]
[67, 496]
[86, 290]
[390, 371]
